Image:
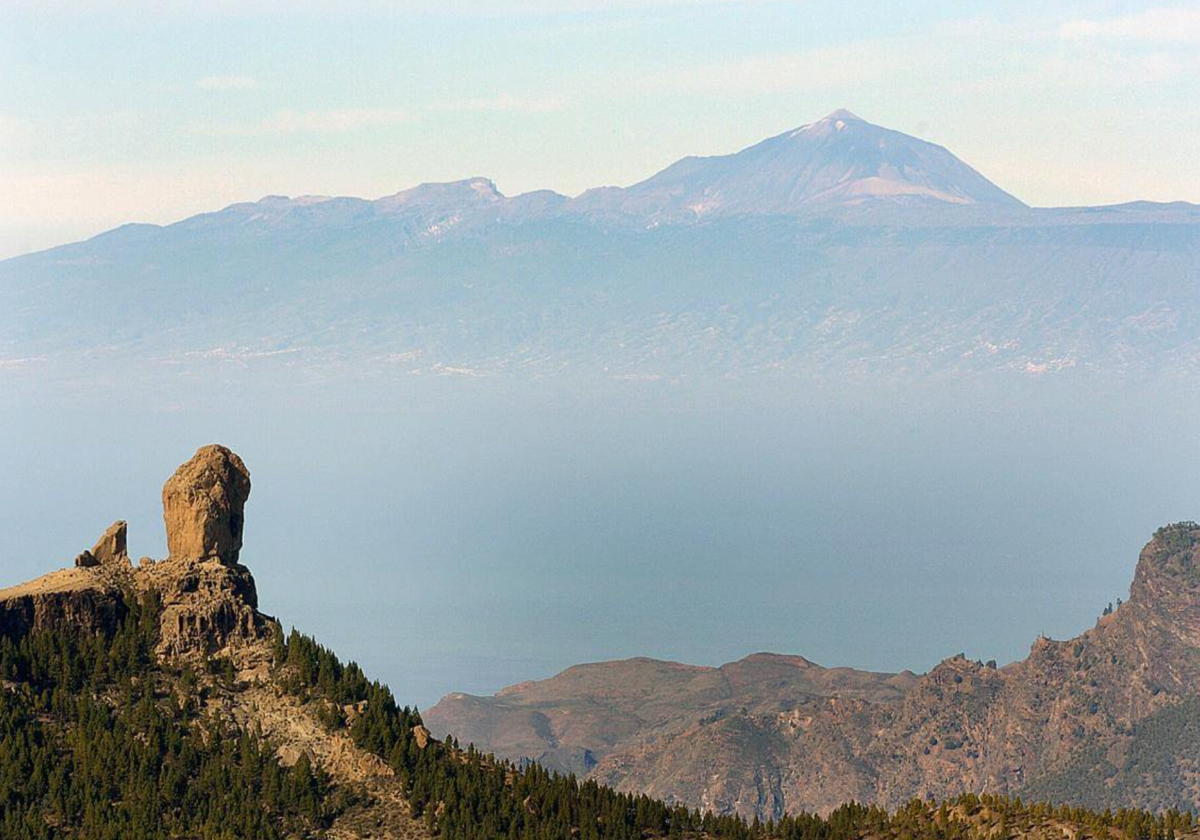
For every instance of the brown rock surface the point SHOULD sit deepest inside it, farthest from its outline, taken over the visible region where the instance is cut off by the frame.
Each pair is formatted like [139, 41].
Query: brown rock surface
[110, 548]
[203, 505]
[1109, 718]
[210, 603]
[209, 609]
[422, 736]
[80, 597]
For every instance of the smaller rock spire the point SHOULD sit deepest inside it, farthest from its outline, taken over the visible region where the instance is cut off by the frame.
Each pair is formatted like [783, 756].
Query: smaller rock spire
[109, 549]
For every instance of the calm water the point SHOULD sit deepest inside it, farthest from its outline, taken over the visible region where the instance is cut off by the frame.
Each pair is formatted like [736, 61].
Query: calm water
[471, 543]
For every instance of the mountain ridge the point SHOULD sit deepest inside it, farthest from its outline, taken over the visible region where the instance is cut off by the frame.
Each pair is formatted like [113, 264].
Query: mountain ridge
[797, 744]
[477, 193]
[671, 195]
[618, 289]
[838, 160]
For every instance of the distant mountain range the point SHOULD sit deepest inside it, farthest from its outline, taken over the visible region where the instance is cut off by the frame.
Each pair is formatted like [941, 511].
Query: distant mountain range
[1108, 719]
[837, 250]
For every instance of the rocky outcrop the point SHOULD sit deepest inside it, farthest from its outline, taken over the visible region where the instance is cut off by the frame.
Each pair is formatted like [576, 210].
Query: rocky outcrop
[203, 504]
[209, 608]
[421, 736]
[209, 601]
[1103, 719]
[69, 598]
[110, 548]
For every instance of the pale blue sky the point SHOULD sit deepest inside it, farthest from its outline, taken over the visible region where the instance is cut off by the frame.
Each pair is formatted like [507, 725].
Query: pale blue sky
[111, 112]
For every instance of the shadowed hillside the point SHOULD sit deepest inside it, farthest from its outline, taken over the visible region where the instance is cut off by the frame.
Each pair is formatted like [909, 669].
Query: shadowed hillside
[1107, 719]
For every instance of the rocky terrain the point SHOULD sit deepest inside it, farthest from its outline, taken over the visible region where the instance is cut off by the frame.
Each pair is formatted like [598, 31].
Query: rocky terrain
[574, 720]
[1107, 719]
[179, 645]
[209, 614]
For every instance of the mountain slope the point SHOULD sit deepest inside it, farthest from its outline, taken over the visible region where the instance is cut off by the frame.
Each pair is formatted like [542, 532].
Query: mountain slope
[1106, 719]
[839, 160]
[157, 701]
[826, 253]
[1112, 295]
[572, 721]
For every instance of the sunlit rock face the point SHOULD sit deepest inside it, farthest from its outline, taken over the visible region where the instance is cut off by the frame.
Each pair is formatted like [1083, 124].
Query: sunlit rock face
[209, 601]
[203, 506]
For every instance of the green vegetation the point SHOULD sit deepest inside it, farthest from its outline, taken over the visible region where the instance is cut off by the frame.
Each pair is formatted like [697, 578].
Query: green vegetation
[98, 741]
[464, 795]
[1150, 763]
[1174, 549]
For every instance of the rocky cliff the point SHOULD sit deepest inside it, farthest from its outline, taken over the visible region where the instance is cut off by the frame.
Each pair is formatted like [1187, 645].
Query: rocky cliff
[1107, 719]
[209, 600]
[209, 623]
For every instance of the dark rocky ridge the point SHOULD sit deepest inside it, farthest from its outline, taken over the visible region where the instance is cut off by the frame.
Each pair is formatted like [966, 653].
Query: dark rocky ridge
[785, 743]
[95, 608]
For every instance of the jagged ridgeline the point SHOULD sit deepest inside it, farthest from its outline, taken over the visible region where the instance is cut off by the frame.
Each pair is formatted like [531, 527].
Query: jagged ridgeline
[1108, 719]
[156, 701]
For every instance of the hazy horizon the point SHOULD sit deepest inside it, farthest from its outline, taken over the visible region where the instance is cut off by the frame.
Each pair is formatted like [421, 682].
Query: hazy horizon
[841, 397]
[483, 346]
[449, 551]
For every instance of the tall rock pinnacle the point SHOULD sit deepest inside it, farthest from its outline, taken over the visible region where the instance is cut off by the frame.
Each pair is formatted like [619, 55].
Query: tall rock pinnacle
[203, 505]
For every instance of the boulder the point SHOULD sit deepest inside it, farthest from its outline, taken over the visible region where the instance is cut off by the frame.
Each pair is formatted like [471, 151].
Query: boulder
[421, 736]
[203, 505]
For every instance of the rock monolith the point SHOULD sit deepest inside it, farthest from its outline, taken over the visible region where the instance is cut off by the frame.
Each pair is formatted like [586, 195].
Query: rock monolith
[203, 504]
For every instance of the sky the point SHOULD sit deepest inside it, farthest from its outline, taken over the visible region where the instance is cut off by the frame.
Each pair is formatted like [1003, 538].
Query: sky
[114, 112]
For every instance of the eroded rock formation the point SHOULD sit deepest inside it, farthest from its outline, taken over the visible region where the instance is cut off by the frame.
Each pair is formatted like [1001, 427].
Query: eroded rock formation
[203, 505]
[209, 610]
[209, 600]
[110, 548]
[208, 607]
[59, 600]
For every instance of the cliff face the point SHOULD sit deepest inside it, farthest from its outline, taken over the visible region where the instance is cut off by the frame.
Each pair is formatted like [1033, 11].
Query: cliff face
[1104, 719]
[69, 598]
